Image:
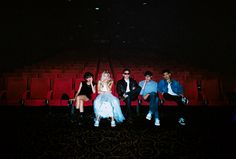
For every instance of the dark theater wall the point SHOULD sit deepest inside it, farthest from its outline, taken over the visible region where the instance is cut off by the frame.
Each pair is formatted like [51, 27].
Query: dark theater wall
[203, 31]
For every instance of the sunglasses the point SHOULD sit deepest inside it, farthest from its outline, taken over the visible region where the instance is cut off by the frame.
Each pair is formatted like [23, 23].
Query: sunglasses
[126, 73]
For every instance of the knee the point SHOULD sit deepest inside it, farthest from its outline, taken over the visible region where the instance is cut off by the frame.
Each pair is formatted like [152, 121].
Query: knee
[153, 95]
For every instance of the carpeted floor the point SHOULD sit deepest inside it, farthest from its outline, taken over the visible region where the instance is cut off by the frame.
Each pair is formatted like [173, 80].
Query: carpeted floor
[38, 133]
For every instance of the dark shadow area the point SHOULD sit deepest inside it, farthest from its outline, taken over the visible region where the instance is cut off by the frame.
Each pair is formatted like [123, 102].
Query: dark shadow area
[33, 132]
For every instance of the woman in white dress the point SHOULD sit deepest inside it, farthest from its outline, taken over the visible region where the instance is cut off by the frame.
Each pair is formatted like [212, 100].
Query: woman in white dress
[106, 105]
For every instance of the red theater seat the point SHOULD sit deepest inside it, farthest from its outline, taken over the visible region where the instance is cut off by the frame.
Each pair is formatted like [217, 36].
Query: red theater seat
[48, 75]
[191, 92]
[212, 91]
[61, 92]
[15, 91]
[39, 92]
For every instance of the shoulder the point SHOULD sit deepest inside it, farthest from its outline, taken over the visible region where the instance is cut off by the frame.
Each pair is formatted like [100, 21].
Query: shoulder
[175, 81]
[154, 82]
[141, 82]
[120, 81]
[132, 80]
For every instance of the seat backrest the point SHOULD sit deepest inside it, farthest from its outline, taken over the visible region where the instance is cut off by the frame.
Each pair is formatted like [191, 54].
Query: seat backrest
[39, 88]
[15, 87]
[1, 83]
[61, 86]
[190, 89]
[211, 89]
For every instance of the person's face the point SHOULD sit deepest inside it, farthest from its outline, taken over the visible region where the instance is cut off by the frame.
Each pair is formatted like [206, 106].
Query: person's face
[106, 76]
[89, 79]
[148, 78]
[126, 74]
[166, 76]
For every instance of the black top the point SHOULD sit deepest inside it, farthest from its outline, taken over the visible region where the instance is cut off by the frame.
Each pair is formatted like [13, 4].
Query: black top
[121, 86]
[86, 89]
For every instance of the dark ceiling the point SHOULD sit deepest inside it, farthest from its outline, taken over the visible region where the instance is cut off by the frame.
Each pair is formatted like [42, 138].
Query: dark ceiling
[192, 27]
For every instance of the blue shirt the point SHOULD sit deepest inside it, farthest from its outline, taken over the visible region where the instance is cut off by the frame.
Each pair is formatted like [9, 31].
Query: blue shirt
[150, 87]
[175, 86]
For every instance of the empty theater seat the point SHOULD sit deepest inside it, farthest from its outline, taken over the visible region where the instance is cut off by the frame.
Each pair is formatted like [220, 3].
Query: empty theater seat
[15, 91]
[211, 89]
[62, 91]
[39, 92]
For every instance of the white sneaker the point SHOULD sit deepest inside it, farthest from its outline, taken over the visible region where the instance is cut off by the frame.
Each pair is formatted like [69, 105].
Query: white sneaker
[96, 124]
[113, 123]
[182, 121]
[149, 116]
[157, 122]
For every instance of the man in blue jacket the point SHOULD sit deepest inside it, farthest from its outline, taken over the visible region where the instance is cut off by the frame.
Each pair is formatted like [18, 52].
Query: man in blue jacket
[172, 90]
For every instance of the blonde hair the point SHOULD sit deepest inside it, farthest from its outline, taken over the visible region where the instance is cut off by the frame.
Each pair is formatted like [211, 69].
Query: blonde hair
[103, 76]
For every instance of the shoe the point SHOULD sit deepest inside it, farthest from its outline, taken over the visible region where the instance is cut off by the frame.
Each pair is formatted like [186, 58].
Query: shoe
[149, 116]
[113, 123]
[157, 122]
[182, 121]
[185, 100]
[96, 124]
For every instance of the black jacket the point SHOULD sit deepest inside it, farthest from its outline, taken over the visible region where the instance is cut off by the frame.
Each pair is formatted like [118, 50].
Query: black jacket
[121, 86]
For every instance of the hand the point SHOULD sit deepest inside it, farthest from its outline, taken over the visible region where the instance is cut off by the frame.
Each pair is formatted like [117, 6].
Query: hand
[146, 96]
[91, 81]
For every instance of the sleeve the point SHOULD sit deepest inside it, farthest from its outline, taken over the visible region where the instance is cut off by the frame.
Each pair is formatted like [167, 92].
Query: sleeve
[118, 89]
[155, 87]
[159, 87]
[180, 88]
[141, 85]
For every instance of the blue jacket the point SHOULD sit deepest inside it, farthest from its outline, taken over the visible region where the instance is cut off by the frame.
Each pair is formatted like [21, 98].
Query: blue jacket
[150, 87]
[175, 86]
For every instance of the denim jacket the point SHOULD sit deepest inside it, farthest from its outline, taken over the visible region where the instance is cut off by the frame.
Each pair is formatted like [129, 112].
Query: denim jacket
[175, 86]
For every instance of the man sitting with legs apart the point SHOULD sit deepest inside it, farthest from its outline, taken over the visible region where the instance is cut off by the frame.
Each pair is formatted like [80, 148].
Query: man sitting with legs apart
[128, 90]
[173, 90]
[149, 93]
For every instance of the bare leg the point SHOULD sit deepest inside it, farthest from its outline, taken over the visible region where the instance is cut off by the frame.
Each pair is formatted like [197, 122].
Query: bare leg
[113, 123]
[80, 102]
[81, 106]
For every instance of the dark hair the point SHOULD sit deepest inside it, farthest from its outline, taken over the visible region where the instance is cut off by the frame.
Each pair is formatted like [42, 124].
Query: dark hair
[148, 73]
[166, 71]
[87, 75]
[126, 69]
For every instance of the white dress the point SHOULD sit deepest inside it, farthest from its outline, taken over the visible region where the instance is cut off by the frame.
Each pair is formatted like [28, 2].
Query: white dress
[106, 105]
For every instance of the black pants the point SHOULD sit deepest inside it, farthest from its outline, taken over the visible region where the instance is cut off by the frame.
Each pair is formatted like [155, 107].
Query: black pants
[132, 95]
[178, 100]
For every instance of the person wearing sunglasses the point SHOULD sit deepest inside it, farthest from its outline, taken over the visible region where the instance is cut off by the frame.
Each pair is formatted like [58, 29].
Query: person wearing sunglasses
[128, 90]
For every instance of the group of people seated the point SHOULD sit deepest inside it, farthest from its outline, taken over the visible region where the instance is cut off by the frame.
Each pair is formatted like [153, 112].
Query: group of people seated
[106, 105]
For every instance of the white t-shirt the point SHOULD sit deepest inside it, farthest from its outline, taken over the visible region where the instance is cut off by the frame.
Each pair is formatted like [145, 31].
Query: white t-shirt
[170, 91]
[127, 88]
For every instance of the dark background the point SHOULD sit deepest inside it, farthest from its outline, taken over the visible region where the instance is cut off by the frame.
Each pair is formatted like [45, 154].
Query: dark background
[202, 31]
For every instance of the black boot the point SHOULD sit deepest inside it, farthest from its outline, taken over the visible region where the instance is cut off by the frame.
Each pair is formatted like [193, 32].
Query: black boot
[81, 118]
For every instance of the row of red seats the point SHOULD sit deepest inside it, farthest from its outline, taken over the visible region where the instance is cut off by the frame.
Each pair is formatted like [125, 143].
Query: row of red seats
[59, 90]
